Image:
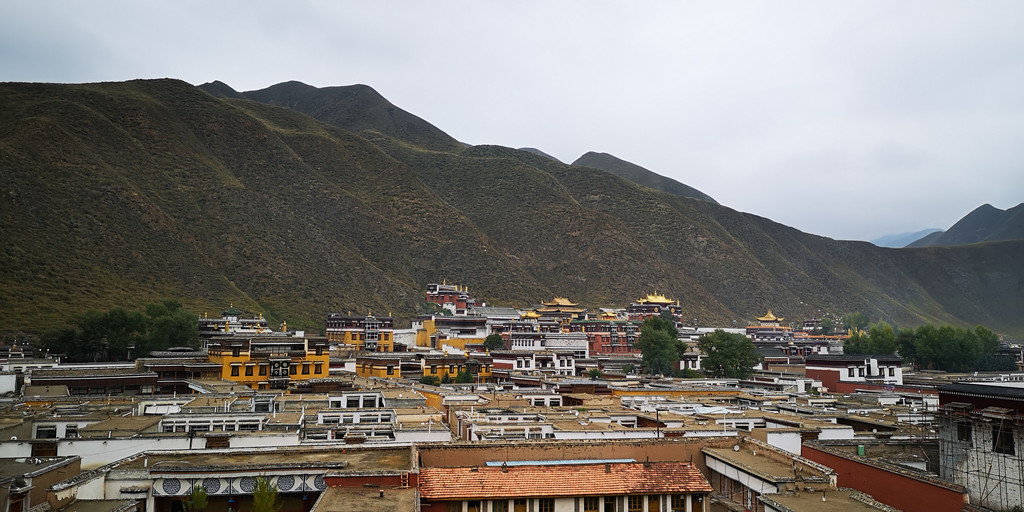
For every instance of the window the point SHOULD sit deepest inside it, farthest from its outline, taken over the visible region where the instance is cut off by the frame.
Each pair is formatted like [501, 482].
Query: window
[963, 431]
[852, 372]
[1002, 439]
[454, 506]
[472, 506]
[519, 506]
[546, 505]
[71, 430]
[860, 371]
[248, 371]
[499, 506]
[391, 370]
[433, 369]
[591, 504]
[318, 368]
[636, 503]
[305, 369]
[263, 369]
[678, 503]
[293, 369]
[234, 371]
[892, 371]
[46, 432]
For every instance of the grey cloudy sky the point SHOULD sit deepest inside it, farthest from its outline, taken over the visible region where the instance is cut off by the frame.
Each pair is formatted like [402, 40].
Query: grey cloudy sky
[846, 119]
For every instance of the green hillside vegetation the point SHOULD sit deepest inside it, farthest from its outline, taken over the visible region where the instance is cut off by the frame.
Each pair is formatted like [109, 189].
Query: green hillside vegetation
[120, 194]
[639, 175]
[985, 223]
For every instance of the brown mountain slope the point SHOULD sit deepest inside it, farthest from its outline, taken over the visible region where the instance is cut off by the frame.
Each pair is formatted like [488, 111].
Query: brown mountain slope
[124, 193]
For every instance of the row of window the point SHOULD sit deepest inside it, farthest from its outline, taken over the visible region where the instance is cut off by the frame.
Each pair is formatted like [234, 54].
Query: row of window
[860, 372]
[318, 369]
[672, 503]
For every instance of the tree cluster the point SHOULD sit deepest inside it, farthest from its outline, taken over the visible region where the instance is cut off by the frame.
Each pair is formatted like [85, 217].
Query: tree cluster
[119, 334]
[879, 339]
[728, 355]
[944, 347]
[954, 349]
[660, 347]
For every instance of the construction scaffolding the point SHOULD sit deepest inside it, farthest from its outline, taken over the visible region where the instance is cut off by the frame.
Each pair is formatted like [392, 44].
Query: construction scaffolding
[983, 450]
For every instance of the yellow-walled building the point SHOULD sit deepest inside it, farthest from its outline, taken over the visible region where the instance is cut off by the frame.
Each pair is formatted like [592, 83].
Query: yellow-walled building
[454, 331]
[381, 366]
[370, 333]
[269, 362]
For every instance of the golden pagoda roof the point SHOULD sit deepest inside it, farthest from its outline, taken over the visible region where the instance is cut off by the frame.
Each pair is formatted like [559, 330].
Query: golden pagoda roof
[560, 301]
[531, 314]
[656, 298]
[770, 317]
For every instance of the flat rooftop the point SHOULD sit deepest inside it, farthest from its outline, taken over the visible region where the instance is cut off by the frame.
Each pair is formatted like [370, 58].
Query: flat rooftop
[343, 499]
[341, 459]
[755, 460]
[836, 500]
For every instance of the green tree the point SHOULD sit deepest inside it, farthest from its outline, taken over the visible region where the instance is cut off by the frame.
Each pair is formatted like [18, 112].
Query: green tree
[906, 344]
[659, 346]
[883, 339]
[627, 368]
[857, 343]
[170, 325]
[494, 342]
[594, 373]
[948, 348]
[447, 379]
[198, 498]
[463, 377]
[855, 321]
[827, 325]
[264, 496]
[430, 380]
[728, 355]
[988, 339]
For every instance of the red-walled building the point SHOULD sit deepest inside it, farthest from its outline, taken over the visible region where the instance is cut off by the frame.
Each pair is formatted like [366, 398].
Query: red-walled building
[897, 486]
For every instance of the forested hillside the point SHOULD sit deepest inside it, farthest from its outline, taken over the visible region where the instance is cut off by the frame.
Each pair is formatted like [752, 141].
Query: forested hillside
[120, 194]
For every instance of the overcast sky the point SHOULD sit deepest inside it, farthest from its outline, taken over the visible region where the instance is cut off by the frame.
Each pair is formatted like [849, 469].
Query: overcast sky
[851, 120]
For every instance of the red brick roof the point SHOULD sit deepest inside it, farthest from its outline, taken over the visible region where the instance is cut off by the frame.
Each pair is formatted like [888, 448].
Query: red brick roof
[561, 480]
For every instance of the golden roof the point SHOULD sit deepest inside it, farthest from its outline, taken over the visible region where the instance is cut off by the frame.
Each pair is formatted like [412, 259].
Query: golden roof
[560, 301]
[531, 314]
[770, 317]
[656, 298]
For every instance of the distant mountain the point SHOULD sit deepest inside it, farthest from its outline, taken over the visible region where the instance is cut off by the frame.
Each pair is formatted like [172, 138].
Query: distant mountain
[902, 239]
[118, 194]
[539, 152]
[639, 175]
[985, 224]
[351, 107]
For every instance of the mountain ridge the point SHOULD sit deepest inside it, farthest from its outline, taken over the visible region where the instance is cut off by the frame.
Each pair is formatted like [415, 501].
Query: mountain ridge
[985, 223]
[125, 193]
[638, 174]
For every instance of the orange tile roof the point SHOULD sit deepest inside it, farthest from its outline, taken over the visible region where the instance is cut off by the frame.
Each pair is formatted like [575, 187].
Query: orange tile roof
[561, 480]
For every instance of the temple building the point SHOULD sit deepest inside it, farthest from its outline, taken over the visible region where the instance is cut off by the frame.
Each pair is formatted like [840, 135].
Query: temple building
[370, 333]
[231, 322]
[452, 297]
[269, 362]
[769, 327]
[652, 305]
[561, 310]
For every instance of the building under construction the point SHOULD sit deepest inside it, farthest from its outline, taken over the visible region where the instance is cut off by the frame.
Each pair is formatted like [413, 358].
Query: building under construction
[981, 441]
